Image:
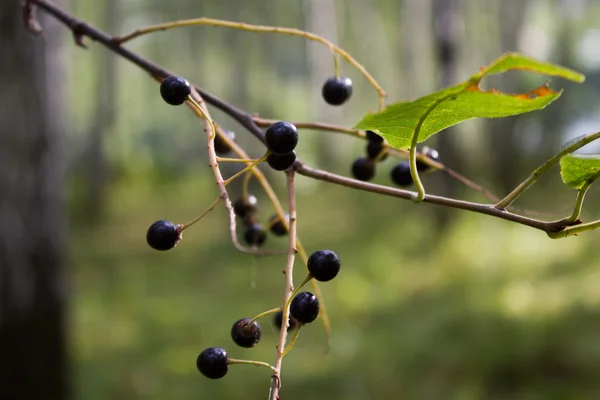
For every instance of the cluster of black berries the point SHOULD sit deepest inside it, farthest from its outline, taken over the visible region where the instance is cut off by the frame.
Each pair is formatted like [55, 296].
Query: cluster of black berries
[363, 168]
[323, 265]
[255, 234]
[281, 139]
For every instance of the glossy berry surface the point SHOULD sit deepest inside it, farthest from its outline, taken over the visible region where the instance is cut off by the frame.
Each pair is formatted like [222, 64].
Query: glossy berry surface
[221, 147]
[363, 169]
[175, 90]
[212, 363]
[163, 235]
[304, 307]
[373, 150]
[281, 162]
[372, 137]
[246, 335]
[324, 265]
[431, 153]
[281, 137]
[336, 91]
[255, 235]
[245, 206]
[276, 225]
[401, 174]
[278, 319]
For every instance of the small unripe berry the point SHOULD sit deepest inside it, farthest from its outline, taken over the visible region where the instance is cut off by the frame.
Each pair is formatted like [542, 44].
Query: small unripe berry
[175, 90]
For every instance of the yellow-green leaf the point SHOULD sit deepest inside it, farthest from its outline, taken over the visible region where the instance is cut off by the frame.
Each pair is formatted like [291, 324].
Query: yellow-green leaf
[577, 169]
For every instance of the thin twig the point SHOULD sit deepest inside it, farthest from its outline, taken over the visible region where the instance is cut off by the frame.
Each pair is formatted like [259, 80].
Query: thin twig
[289, 285]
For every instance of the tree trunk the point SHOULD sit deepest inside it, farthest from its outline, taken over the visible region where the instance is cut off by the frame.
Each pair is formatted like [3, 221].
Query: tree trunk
[32, 284]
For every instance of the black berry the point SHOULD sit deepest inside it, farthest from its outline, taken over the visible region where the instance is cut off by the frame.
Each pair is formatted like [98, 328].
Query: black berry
[281, 137]
[163, 235]
[401, 174]
[212, 363]
[255, 235]
[245, 335]
[336, 91]
[277, 226]
[431, 153]
[363, 169]
[221, 147]
[323, 265]
[373, 150]
[304, 307]
[175, 90]
[281, 162]
[278, 319]
[245, 206]
[373, 137]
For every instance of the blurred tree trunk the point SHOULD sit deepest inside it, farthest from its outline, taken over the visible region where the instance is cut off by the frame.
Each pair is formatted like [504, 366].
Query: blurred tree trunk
[102, 123]
[33, 362]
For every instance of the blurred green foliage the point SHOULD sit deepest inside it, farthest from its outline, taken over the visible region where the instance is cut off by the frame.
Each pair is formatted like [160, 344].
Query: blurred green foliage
[480, 308]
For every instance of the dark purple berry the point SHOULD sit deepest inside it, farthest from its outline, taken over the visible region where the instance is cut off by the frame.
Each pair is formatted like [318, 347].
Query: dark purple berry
[336, 91]
[372, 137]
[363, 169]
[373, 150]
[221, 147]
[281, 162]
[278, 319]
[175, 90]
[212, 363]
[323, 265]
[245, 206]
[304, 307]
[163, 235]
[432, 154]
[277, 226]
[255, 235]
[245, 335]
[401, 174]
[281, 137]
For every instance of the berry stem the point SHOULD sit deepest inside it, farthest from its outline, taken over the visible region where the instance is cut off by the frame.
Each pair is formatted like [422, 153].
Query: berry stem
[296, 290]
[264, 314]
[289, 285]
[579, 203]
[199, 217]
[291, 344]
[236, 160]
[258, 28]
[232, 361]
[535, 175]
[246, 169]
[246, 182]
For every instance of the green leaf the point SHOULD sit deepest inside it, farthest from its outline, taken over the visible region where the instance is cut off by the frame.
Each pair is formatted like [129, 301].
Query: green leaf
[431, 114]
[577, 169]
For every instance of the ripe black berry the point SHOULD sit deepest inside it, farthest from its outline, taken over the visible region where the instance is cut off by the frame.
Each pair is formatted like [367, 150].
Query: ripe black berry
[281, 137]
[304, 307]
[175, 90]
[372, 137]
[373, 150]
[221, 147]
[281, 162]
[163, 235]
[431, 153]
[245, 335]
[363, 169]
[276, 225]
[323, 265]
[245, 206]
[401, 174]
[336, 91]
[212, 363]
[255, 235]
[278, 319]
